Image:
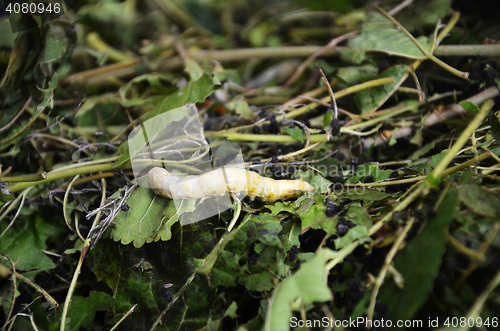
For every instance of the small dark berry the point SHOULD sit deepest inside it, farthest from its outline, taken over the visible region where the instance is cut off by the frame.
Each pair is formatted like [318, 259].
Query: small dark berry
[335, 126]
[369, 179]
[340, 157]
[342, 229]
[331, 205]
[252, 260]
[350, 224]
[125, 207]
[337, 179]
[166, 294]
[292, 253]
[343, 221]
[266, 127]
[394, 174]
[256, 129]
[400, 216]
[329, 212]
[354, 161]
[263, 114]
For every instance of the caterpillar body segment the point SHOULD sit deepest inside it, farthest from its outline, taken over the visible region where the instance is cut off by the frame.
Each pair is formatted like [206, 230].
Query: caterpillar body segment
[221, 181]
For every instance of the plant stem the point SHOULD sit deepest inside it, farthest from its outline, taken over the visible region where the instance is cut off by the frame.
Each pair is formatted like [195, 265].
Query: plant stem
[54, 175]
[338, 95]
[435, 176]
[388, 259]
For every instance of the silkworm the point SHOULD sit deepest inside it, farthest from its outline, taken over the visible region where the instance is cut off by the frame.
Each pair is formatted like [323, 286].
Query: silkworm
[221, 181]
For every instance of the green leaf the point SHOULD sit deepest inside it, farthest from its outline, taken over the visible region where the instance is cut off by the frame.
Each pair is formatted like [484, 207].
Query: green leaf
[358, 215]
[194, 91]
[319, 183]
[364, 194]
[5, 195]
[353, 234]
[226, 269]
[378, 33]
[422, 17]
[281, 206]
[171, 216]
[494, 121]
[296, 133]
[367, 99]
[367, 169]
[315, 217]
[141, 223]
[481, 201]
[358, 74]
[259, 281]
[470, 107]
[240, 107]
[25, 244]
[133, 93]
[55, 46]
[193, 69]
[82, 310]
[419, 264]
[308, 284]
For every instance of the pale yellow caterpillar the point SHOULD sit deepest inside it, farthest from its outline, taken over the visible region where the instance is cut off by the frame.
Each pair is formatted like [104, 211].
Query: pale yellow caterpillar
[223, 180]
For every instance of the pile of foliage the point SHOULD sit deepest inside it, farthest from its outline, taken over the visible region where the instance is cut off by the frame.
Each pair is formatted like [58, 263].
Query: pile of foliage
[403, 223]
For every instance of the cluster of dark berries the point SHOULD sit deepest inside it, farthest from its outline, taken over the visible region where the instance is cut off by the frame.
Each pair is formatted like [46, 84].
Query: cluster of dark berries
[335, 126]
[332, 208]
[337, 183]
[344, 225]
[275, 168]
[273, 127]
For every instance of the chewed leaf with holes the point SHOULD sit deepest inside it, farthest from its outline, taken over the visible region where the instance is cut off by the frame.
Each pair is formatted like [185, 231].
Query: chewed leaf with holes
[142, 221]
[380, 34]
